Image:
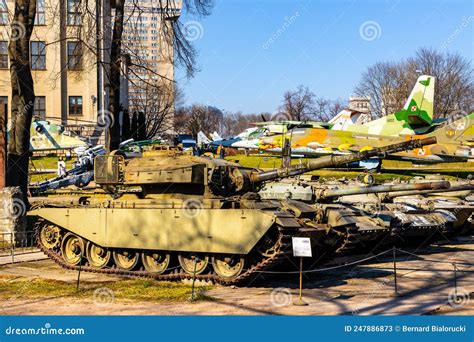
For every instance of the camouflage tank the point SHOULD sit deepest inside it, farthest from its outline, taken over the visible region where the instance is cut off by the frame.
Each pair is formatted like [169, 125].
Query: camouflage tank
[451, 204]
[169, 215]
[408, 209]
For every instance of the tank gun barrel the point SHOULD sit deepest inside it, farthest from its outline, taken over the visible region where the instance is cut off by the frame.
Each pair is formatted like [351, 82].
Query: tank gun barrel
[337, 160]
[430, 191]
[392, 188]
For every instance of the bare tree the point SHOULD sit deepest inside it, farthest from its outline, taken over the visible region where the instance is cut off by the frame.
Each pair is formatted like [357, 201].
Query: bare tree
[173, 32]
[382, 83]
[235, 123]
[335, 107]
[298, 105]
[156, 101]
[454, 75]
[389, 84]
[23, 95]
[197, 118]
[114, 77]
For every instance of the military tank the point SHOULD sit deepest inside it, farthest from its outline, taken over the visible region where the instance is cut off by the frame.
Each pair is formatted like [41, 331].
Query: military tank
[169, 215]
[450, 206]
[414, 209]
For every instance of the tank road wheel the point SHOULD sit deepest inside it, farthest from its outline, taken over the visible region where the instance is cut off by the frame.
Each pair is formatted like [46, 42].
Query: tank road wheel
[188, 260]
[72, 249]
[50, 236]
[97, 256]
[228, 266]
[126, 260]
[156, 261]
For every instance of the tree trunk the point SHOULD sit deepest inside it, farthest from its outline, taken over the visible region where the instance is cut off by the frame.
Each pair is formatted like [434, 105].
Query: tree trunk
[134, 127]
[126, 134]
[115, 70]
[23, 95]
[141, 134]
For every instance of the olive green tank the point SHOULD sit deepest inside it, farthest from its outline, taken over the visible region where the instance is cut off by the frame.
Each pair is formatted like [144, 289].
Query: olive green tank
[416, 208]
[170, 215]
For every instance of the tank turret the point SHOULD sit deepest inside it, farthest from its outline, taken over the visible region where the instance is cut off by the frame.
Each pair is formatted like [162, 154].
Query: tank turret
[175, 172]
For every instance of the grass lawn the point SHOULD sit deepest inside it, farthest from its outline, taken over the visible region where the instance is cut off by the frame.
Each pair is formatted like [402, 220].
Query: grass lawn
[127, 289]
[48, 162]
[391, 168]
[45, 163]
[41, 177]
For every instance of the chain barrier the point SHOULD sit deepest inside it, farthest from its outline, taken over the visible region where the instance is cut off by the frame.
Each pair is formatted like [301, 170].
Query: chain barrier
[357, 262]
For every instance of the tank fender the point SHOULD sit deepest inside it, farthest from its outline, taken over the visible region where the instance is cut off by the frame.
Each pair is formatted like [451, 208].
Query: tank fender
[233, 231]
[286, 220]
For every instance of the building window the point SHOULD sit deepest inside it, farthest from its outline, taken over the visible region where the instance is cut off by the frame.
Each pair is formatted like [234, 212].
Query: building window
[3, 55]
[74, 55]
[40, 18]
[75, 105]
[38, 55]
[40, 107]
[74, 15]
[3, 12]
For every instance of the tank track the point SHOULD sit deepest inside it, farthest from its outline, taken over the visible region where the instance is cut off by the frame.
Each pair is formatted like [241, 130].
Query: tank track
[281, 253]
[350, 240]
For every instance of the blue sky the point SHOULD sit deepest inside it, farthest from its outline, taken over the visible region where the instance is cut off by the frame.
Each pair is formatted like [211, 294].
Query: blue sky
[251, 52]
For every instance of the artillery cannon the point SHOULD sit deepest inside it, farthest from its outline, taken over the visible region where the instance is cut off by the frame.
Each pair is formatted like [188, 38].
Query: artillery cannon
[166, 207]
[80, 175]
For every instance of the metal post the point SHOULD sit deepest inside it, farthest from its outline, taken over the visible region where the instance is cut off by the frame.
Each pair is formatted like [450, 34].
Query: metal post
[455, 282]
[395, 272]
[79, 272]
[300, 301]
[301, 278]
[3, 144]
[194, 278]
[12, 247]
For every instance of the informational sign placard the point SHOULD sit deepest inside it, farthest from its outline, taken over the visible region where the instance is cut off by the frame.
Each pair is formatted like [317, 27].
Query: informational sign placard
[301, 247]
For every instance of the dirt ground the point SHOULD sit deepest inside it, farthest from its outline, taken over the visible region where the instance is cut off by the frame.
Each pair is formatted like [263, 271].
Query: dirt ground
[424, 288]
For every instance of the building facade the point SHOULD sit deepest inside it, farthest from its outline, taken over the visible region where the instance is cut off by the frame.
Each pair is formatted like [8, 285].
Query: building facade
[148, 41]
[69, 54]
[360, 104]
[63, 57]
